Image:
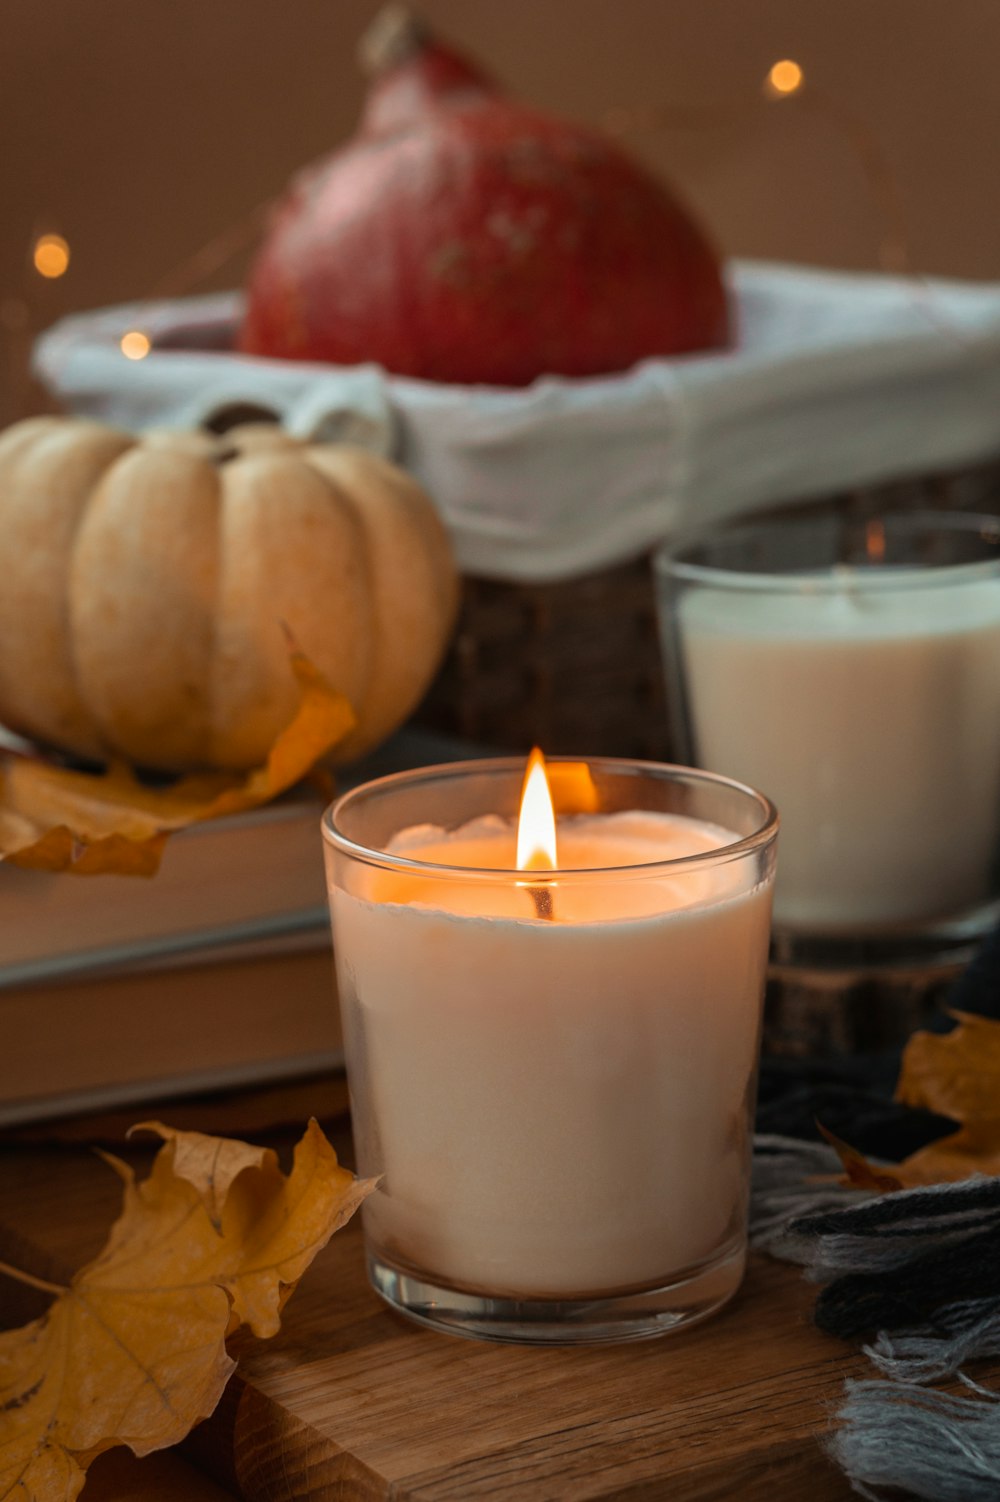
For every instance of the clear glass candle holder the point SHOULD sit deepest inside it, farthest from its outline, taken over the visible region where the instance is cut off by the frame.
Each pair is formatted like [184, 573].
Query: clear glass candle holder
[851, 669]
[553, 1071]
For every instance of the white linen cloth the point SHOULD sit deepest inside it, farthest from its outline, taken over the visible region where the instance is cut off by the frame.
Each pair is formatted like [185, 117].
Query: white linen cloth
[834, 380]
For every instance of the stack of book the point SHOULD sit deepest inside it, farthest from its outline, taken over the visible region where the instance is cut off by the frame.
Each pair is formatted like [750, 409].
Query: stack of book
[216, 972]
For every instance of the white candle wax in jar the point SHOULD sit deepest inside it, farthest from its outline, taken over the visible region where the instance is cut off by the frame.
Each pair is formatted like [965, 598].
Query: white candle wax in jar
[559, 1105]
[871, 716]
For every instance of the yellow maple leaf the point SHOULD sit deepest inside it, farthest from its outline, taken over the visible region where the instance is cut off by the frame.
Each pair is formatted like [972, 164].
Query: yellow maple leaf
[133, 1352]
[966, 1152]
[954, 1074]
[55, 819]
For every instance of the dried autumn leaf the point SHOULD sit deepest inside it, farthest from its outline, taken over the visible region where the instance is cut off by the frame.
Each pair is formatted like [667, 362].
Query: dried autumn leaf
[973, 1149]
[858, 1172]
[954, 1074]
[133, 1351]
[55, 819]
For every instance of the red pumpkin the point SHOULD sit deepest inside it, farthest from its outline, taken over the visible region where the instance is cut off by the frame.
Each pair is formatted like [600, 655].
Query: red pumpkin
[462, 236]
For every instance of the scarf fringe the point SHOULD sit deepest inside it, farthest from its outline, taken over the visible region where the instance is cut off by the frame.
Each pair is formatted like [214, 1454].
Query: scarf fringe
[793, 1179]
[907, 1265]
[960, 1333]
[929, 1444]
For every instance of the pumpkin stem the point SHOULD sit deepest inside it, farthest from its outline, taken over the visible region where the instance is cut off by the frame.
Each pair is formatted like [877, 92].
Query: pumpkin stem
[396, 34]
[411, 73]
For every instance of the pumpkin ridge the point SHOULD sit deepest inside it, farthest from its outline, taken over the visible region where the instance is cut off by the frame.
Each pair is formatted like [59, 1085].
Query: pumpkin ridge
[45, 567]
[221, 470]
[342, 495]
[143, 582]
[107, 751]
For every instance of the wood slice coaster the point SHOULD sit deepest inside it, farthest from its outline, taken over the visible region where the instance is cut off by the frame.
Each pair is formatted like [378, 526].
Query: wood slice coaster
[816, 1012]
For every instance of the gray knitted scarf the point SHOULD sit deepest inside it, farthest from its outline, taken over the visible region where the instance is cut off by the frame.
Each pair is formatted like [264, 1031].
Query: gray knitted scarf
[917, 1275]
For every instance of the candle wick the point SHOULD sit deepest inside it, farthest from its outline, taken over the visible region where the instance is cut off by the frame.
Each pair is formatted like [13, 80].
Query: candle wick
[541, 896]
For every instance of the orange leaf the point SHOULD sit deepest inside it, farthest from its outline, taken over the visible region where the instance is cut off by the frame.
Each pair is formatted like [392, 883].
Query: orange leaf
[955, 1074]
[858, 1172]
[55, 819]
[974, 1149]
[133, 1351]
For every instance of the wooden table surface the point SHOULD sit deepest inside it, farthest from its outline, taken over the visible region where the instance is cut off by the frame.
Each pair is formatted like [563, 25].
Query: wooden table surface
[350, 1401]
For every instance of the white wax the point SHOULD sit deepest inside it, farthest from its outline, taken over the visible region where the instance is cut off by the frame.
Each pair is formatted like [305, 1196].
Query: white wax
[871, 717]
[558, 1107]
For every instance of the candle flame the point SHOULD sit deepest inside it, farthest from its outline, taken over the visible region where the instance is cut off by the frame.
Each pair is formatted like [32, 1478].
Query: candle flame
[536, 825]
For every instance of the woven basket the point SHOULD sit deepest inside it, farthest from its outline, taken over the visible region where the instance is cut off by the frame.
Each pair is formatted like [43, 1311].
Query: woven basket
[571, 666]
[575, 666]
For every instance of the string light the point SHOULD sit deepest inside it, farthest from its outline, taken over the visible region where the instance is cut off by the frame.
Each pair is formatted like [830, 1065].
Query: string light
[51, 256]
[135, 345]
[785, 77]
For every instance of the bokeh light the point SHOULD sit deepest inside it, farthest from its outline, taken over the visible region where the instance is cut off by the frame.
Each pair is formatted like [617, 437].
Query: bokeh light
[51, 256]
[135, 345]
[785, 77]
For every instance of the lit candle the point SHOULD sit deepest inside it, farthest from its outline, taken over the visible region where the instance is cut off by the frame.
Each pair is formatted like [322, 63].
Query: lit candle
[551, 1036]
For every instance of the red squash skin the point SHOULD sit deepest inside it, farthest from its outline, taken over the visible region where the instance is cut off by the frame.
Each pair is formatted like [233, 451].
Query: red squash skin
[463, 237]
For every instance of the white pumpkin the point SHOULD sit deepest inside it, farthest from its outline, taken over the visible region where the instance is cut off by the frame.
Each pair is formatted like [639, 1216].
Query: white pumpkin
[147, 582]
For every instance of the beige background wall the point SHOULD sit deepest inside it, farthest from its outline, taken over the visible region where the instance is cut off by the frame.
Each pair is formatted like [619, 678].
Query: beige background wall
[140, 128]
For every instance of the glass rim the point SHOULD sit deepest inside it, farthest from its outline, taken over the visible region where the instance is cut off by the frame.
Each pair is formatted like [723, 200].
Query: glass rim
[759, 839]
[833, 577]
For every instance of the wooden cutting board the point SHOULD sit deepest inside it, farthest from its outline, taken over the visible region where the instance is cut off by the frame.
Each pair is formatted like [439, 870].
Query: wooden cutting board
[350, 1402]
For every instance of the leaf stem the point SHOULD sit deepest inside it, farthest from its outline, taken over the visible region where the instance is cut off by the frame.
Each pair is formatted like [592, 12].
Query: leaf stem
[29, 1278]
